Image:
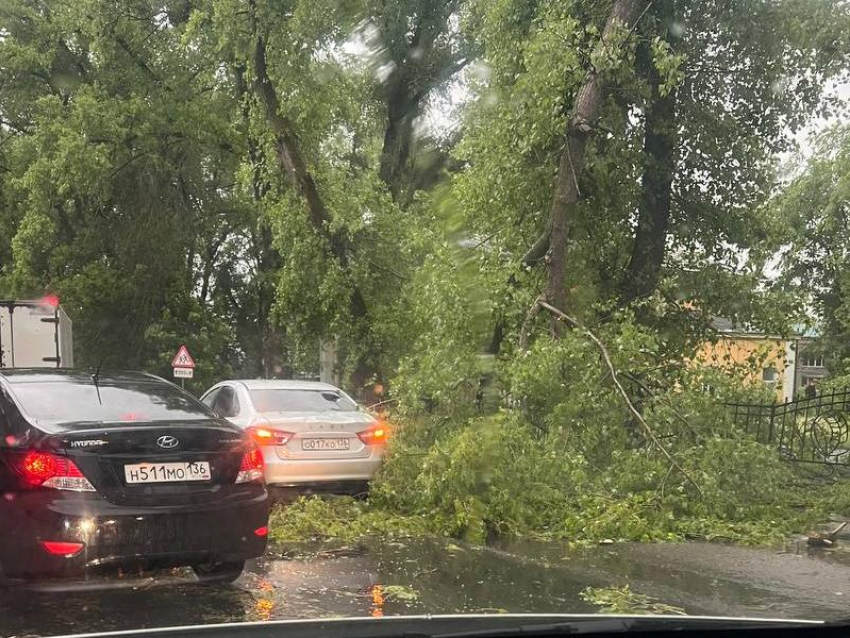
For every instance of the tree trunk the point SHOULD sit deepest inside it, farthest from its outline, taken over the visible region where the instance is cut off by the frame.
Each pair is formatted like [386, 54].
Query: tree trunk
[395, 167]
[270, 359]
[289, 148]
[294, 165]
[580, 127]
[659, 152]
[271, 342]
[417, 71]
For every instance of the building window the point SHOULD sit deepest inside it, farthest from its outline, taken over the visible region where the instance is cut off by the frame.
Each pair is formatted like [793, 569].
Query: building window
[770, 376]
[812, 360]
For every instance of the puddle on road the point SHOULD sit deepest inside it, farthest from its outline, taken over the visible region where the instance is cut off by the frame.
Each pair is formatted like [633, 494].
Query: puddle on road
[408, 577]
[379, 578]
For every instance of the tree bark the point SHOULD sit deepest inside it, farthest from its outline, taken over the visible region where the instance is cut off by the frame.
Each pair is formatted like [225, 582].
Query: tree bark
[580, 128]
[659, 151]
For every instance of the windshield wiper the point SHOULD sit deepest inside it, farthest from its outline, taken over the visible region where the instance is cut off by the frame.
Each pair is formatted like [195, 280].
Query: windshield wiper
[96, 377]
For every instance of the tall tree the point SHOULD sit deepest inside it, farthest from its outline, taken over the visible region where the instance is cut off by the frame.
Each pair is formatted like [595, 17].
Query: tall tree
[421, 49]
[581, 124]
[660, 138]
[726, 84]
[815, 208]
[294, 163]
[125, 143]
[680, 160]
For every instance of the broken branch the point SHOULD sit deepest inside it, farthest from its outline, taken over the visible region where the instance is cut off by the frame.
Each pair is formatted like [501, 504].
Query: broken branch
[619, 386]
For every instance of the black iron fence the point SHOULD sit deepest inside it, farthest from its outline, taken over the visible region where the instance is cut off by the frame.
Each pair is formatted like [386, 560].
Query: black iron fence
[808, 430]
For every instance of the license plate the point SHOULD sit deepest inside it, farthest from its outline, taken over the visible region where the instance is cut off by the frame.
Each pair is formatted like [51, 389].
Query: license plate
[167, 472]
[329, 445]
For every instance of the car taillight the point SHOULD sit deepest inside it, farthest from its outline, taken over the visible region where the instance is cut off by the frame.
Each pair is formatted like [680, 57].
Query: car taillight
[62, 548]
[269, 436]
[43, 469]
[251, 468]
[375, 435]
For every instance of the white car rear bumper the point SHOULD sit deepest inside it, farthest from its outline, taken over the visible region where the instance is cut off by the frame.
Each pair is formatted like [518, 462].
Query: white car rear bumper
[295, 472]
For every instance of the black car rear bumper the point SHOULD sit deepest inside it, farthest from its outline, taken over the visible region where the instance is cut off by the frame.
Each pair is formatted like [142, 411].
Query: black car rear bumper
[122, 536]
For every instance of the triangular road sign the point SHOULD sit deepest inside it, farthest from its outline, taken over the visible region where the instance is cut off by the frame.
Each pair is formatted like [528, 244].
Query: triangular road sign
[183, 359]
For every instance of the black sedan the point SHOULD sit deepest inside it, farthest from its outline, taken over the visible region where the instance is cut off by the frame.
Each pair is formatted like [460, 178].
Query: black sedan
[122, 470]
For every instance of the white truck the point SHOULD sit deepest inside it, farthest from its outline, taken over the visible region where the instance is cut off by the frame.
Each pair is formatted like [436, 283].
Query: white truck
[35, 334]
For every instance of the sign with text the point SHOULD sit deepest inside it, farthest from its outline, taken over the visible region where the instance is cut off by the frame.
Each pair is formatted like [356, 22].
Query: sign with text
[183, 373]
[183, 359]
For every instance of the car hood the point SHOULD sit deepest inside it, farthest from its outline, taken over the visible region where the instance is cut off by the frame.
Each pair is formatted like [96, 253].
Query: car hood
[459, 626]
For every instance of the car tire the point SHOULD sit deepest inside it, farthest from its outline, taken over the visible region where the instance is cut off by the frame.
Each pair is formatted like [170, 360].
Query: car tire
[218, 572]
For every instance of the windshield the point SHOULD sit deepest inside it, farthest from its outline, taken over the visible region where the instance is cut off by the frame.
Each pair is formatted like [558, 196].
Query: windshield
[301, 401]
[510, 306]
[69, 402]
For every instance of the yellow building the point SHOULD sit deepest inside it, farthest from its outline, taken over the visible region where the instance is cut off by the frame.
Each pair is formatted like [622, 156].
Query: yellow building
[765, 358]
[777, 362]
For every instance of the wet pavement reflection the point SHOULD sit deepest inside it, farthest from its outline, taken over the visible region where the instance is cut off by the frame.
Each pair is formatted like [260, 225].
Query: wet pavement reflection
[378, 578]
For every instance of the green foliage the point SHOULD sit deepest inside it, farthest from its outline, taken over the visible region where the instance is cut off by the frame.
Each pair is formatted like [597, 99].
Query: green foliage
[811, 217]
[400, 592]
[142, 179]
[729, 126]
[341, 518]
[109, 182]
[668, 63]
[622, 600]
[584, 470]
[132, 130]
[495, 477]
[439, 372]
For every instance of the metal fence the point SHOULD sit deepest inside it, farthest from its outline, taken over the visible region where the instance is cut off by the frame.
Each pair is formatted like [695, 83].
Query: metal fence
[809, 430]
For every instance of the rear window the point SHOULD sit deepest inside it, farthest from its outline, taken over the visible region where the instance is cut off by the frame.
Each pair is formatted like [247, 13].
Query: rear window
[69, 402]
[301, 401]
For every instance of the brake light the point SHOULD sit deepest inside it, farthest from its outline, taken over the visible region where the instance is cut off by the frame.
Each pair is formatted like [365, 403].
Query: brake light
[262, 531]
[376, 435]
[269, 436]
[251, 468]
[43, 469]
[62, 548]
[51, 301]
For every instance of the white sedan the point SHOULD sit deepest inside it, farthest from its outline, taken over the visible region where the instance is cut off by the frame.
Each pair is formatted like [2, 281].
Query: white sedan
[311, 434]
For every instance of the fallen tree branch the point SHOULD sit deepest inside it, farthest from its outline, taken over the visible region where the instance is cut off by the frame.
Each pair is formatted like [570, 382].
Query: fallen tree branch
[537, 250]
[620, 389]
[655, 396]
[664, 480]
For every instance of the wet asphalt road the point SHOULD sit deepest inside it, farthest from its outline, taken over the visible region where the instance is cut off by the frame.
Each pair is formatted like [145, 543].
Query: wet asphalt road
[435, 576]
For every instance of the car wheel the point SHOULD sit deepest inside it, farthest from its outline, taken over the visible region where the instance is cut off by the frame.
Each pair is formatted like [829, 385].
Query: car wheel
[217, 572]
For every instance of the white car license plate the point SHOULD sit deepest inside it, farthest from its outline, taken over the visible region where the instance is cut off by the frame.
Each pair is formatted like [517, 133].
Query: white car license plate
[329, 445]
[167, 472]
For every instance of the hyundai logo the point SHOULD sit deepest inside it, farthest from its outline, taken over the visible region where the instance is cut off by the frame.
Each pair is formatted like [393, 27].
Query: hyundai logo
[167, 442]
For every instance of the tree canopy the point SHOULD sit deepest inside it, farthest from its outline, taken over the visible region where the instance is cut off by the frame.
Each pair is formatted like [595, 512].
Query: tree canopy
[257, 178]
